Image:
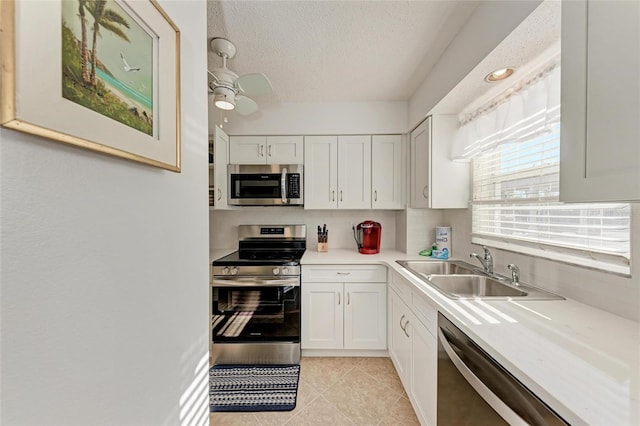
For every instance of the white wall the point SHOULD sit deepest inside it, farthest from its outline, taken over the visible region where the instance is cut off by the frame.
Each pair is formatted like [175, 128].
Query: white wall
[613, 293]
[313, 118]
[104, 272]
[489, 24]
[224, 224]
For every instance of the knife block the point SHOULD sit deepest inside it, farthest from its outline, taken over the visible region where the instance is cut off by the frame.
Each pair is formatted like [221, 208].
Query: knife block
[323, 246]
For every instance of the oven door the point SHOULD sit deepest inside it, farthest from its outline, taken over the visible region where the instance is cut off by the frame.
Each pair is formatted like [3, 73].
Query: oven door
[255, 309]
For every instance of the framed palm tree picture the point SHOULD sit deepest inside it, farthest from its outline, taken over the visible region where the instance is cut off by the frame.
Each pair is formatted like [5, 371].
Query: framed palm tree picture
[100, 74]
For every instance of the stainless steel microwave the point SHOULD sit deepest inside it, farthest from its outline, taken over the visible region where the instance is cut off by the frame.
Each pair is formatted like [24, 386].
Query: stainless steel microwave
[265, 185]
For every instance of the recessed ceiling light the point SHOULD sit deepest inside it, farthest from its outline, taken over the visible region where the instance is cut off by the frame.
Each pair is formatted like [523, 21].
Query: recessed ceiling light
[500, 74]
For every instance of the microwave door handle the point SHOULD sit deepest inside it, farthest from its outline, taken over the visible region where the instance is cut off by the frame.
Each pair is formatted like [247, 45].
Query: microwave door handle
[283, 186]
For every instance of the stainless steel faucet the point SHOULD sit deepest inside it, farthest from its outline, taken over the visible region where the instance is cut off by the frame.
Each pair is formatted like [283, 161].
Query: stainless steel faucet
[515, 273]
[487, 261]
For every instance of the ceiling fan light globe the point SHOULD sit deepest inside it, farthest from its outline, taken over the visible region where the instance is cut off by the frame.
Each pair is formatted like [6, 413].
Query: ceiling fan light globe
[225, 105]
[224, 102]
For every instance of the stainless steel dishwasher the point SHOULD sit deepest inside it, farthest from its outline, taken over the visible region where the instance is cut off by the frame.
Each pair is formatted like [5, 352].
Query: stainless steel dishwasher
[474, 389]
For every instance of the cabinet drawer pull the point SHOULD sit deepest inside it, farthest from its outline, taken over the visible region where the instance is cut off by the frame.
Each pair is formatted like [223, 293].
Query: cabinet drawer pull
[343, 273]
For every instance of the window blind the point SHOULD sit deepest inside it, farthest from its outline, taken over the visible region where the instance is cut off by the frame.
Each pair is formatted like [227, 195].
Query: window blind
[516, 191]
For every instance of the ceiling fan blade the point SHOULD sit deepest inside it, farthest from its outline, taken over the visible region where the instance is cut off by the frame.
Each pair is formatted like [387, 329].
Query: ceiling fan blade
[254, 84]
[245, 106]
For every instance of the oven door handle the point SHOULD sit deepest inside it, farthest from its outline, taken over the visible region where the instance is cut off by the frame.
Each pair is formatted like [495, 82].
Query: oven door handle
[283, 186]
[255, 282]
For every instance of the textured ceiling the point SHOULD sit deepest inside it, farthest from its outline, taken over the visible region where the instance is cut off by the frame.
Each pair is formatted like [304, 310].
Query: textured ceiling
[539, 32]
[336, 51]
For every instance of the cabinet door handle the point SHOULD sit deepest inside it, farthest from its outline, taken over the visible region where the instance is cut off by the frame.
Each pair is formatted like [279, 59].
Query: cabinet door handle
[375, 195]
[338, 298]
[343, 273]
[219, 194]
[401, 326]
[424, 191]
[261, 150]
[348, 299]
[405, 328]
[341, 195]
[269, 152]
[333, 195]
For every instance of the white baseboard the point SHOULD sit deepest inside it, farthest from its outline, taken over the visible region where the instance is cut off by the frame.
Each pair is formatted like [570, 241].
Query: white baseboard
[344, 353]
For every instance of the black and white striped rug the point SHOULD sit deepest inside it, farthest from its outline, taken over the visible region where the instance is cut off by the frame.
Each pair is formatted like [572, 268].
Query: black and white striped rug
[253, 387]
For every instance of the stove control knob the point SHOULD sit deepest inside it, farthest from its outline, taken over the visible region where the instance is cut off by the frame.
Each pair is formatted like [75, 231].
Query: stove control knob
[234, 271]
[285, 270]
[276, 271]
[225, 271]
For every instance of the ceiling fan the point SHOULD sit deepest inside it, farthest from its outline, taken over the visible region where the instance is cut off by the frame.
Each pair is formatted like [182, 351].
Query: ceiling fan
[231, 91]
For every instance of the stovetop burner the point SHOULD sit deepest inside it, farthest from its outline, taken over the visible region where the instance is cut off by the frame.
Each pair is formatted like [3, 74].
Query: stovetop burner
[257, 258]
[267, 245]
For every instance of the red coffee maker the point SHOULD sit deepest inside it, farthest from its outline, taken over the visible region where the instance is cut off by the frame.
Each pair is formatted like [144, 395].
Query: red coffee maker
[367, 235]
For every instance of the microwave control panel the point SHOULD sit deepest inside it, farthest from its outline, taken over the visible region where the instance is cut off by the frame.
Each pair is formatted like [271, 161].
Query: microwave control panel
[293, 185]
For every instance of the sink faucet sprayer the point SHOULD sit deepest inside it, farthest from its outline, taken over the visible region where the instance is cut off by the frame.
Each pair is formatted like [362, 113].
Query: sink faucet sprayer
[487, 262]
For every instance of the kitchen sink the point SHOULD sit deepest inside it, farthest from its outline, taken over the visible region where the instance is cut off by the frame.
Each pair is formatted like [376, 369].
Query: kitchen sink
[459, 286]
[460, 280]
[431, 267]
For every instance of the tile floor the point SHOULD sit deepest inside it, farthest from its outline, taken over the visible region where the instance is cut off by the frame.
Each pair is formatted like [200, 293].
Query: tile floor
[338, 391]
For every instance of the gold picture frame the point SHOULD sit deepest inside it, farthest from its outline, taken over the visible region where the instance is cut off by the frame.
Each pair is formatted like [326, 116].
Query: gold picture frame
[124, 102]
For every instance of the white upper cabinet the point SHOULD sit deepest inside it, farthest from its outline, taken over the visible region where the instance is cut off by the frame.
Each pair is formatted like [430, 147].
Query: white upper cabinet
[320, 172]
[386, 172]
[436, 181]
[420, 140]
[339, 171]
[247, 149]
[219, 169]
[600, 145]
[266, 150]
[354, 172]
[285, 150]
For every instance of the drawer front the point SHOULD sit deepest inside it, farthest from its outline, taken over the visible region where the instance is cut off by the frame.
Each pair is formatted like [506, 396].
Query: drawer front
[401, 286]
[344, 273]
[426, 312]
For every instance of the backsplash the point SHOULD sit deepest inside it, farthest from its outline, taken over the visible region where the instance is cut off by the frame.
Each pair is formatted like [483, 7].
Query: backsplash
[223, 227]
[613, 293]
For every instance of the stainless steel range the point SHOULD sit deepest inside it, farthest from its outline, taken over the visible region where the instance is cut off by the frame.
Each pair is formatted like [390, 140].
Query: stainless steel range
[255, 297]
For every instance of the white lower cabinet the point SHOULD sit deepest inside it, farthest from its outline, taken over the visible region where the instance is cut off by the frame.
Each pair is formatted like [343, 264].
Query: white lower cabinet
[344, 307]
[424, 373]
[414, 351]
[399, 340]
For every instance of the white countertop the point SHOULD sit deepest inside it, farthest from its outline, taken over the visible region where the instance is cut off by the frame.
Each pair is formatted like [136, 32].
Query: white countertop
[582, 361]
